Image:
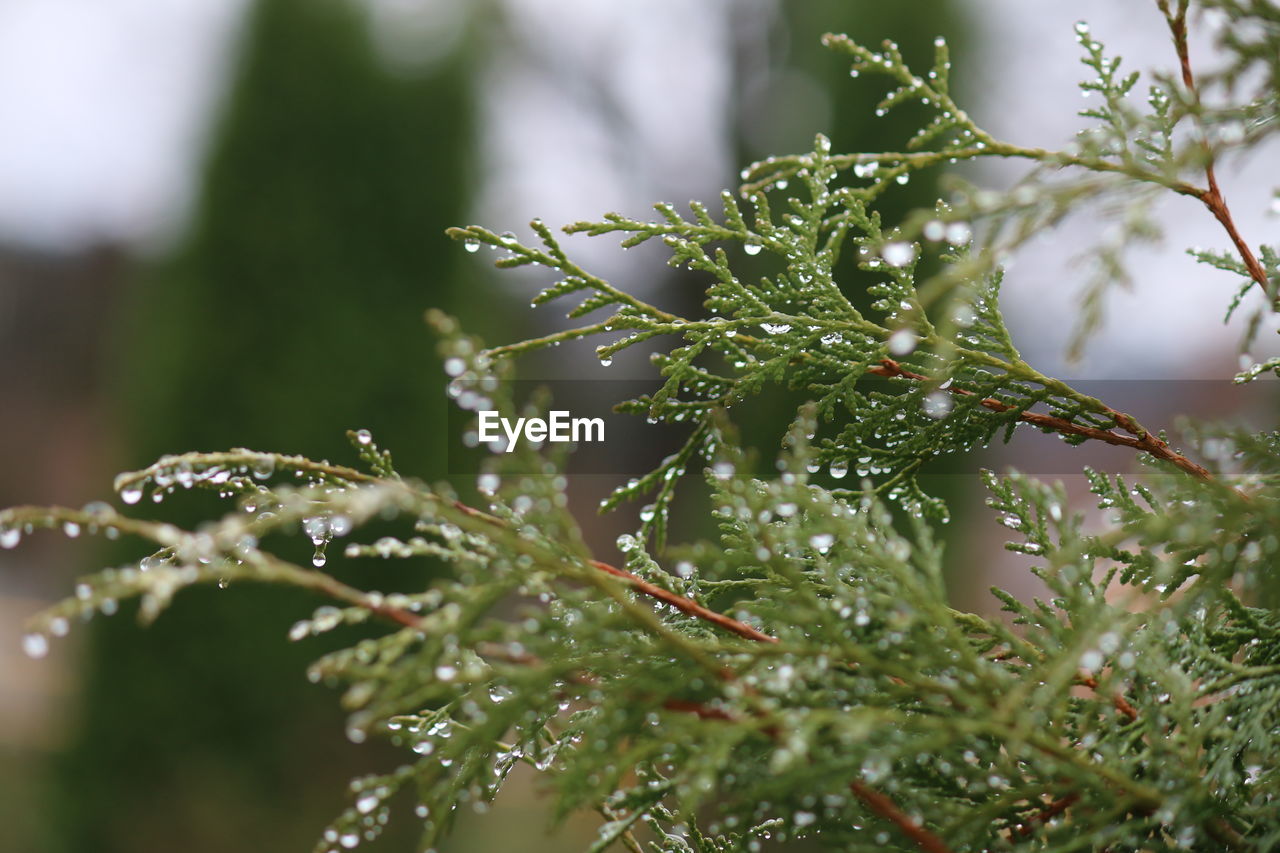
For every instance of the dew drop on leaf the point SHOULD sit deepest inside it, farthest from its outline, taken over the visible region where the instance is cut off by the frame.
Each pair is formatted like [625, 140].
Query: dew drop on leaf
[937, 404]
[822, 542]
[898, 254]
[902, 342]
[35, 645]
[958, 233]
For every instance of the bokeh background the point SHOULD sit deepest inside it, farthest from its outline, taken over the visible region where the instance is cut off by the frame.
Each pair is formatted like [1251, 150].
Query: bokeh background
[221, 221]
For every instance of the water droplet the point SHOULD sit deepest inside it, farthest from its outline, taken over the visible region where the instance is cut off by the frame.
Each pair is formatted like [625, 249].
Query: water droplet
[349, 840]
[131, 494]
[934, 230]
[10, 537]
[958, 233]
[454, 366]
[937, 404]
[898, 254]
[903, 178]
[471, 244]
[866, 170]
[963, 315]
[839, 469]
[822, 542]
[445, 672]
[902, 342]
[751, 247]
[35, 645]
[366, 804]
[263, 467]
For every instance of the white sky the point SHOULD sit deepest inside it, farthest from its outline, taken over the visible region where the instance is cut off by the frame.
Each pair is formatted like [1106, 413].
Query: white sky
[103, 104]
[1170, 324]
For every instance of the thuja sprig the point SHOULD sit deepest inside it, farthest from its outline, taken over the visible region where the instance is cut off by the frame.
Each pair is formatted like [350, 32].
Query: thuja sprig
[964, 379]
[1128, 149]
[803, 674]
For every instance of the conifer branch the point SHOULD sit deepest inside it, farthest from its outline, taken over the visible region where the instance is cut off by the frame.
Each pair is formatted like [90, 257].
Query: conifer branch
[1138, 438]
[634, 688]
[1212, 197]
[888, 809]
[679, 602]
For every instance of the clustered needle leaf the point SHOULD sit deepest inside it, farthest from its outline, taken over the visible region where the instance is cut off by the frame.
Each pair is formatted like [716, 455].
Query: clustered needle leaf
[803, 674]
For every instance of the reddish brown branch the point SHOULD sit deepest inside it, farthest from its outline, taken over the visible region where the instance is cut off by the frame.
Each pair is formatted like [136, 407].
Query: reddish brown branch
[1139, 439]
[685, 605]
[1212, 198]
[887, 809]
[1117, 699]
[1048, 813]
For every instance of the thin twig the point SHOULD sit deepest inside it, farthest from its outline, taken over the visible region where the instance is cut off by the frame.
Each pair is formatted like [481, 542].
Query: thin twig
[1212, 197]
[1139, 439]
[887, 809]
[1117, 699]
[685, 605]
[1048, 813]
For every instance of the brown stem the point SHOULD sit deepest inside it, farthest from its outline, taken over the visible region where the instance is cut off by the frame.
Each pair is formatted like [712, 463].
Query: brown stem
[1117, 699]
[685, 605]
[1212, 198]
[1048, 813]
[887, 809]
[1139, 439]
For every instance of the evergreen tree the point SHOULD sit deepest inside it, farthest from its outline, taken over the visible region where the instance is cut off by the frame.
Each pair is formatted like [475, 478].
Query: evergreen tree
[291, 309]
[804, 675]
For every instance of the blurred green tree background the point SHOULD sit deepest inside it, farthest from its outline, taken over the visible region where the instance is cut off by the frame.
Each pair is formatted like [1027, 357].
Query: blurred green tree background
[291, 313]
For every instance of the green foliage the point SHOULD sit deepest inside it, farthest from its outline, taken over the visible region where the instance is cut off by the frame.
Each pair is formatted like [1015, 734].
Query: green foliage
[804, 675]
